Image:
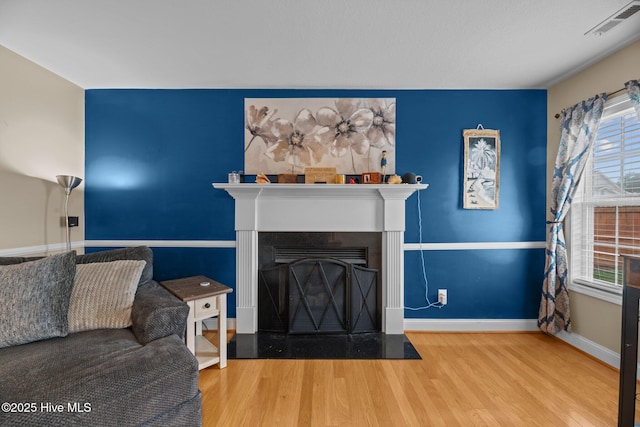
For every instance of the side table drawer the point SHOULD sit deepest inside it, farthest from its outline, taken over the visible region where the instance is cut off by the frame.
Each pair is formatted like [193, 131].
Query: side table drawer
[205, 307]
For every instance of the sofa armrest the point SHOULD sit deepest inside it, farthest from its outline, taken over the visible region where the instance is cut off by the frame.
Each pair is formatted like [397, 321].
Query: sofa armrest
[156, 313]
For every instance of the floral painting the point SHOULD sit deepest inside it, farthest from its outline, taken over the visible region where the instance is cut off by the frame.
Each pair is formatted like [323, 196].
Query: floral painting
[481, 168]
[286, 135]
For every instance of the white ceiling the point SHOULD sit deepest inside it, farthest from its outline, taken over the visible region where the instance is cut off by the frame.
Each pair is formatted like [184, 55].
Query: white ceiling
[394, 44]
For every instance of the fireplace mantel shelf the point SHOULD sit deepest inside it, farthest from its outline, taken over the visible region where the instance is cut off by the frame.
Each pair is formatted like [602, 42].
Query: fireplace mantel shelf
[320, 190]
[320, 208]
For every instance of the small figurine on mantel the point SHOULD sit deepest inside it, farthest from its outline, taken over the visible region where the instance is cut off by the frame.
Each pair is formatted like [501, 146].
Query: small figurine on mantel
[262, 179]
[394, 179]
[383, 165]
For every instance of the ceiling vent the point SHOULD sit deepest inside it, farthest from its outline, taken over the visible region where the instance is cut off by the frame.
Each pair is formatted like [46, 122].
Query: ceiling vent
[615, 19]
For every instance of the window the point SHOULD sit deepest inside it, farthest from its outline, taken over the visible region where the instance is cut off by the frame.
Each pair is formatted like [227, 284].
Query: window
[605, 213]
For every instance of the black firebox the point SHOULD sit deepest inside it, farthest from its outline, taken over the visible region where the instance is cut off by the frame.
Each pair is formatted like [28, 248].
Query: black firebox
[319, 283]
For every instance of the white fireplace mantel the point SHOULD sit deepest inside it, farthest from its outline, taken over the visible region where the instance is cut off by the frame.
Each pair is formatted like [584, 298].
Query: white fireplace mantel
[320, 208]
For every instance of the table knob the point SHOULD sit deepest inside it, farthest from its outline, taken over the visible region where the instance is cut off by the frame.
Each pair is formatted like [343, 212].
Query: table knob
[207, 305]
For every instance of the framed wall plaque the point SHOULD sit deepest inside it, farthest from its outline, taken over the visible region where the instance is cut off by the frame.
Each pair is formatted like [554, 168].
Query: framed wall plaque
[481, 181]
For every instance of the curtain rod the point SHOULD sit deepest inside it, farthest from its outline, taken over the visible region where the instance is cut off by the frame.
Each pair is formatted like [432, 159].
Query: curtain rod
[557, 116]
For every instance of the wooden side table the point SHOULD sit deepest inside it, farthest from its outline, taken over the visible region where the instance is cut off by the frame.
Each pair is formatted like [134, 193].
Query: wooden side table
[204, 302]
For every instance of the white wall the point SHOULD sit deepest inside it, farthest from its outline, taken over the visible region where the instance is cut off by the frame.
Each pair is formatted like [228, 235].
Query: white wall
[41, 136]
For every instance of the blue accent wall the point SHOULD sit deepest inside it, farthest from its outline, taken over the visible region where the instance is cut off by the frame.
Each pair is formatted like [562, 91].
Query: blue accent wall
[151, 156]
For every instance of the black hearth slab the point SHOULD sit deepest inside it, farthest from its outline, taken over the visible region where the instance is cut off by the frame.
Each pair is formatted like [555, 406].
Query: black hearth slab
[268, 345]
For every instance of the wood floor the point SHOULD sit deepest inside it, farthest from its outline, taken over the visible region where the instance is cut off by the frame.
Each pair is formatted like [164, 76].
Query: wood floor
[463, 379]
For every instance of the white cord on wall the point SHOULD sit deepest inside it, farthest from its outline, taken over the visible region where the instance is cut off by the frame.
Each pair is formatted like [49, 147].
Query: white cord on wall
[422, 263]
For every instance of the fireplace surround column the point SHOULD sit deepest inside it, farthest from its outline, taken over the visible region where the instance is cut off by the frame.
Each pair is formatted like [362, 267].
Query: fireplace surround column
[393, 293]
[320, 208]
[247, 295]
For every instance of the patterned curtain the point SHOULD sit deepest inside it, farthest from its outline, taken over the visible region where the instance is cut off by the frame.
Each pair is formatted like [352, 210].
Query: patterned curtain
[633, 89]
[579, 125]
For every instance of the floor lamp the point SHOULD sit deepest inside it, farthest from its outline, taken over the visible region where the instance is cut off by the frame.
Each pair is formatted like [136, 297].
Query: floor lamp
[68, 182]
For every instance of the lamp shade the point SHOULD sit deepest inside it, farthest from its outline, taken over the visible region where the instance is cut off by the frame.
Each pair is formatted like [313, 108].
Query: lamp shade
[68, 182]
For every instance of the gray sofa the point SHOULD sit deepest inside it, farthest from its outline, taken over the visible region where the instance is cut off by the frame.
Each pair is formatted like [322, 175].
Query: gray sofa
[142, 374]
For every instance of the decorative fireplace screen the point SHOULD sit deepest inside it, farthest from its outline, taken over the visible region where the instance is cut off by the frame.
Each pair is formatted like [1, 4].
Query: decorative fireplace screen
[318, 295]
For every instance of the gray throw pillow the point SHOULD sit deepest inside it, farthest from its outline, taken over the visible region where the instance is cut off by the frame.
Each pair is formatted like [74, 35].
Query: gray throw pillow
[35, 299]
[143, 253]
[103, 295]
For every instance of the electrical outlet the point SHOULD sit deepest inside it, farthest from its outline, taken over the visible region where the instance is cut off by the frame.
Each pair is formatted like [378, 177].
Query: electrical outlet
[442, 296]
[73, 221]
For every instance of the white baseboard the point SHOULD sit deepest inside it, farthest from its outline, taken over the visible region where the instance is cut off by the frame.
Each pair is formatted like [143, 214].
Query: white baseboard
[471, 325]
[594, 349]
[445, 325]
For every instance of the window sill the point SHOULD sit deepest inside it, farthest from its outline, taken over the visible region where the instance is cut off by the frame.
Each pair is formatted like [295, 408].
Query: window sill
[612, 295]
